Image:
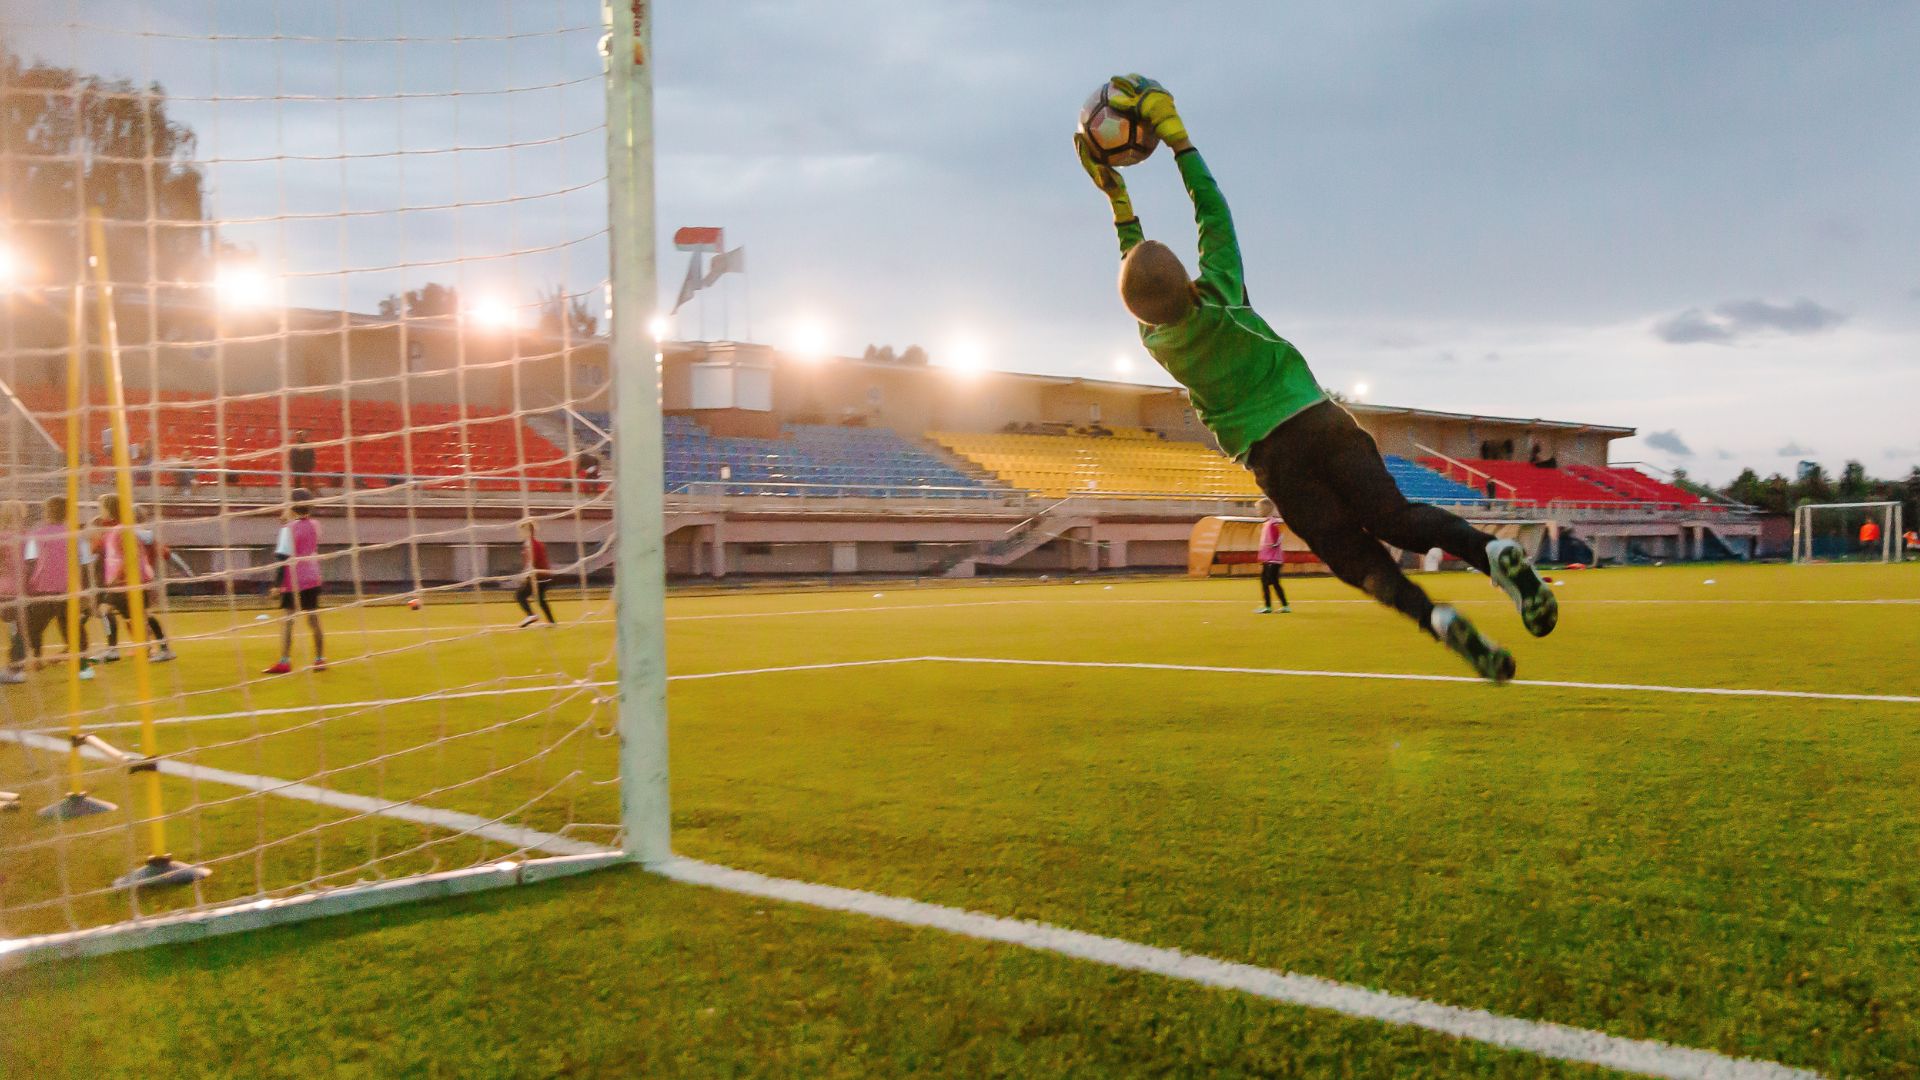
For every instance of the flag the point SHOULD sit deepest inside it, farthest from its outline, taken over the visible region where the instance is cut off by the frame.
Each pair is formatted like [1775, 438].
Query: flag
[692, 284]
[728, 262]
[698, 238]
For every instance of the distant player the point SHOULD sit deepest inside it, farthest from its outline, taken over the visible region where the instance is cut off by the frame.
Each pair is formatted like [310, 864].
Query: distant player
[111, 552]
[96, 599]
[13, 613]
[298, 580]
[538, 573]
[1254, 391]
[1273, 555]
[45, 554]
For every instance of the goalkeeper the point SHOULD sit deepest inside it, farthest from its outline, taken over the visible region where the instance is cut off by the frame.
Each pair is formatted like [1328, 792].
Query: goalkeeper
[1254, 391]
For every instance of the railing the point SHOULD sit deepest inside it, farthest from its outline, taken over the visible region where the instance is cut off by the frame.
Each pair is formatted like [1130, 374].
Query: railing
[1704, 492]
[849, 490]
[1482, 478]
[19, 408]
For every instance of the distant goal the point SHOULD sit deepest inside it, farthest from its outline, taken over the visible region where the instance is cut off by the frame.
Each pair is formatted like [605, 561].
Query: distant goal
[1847, 532]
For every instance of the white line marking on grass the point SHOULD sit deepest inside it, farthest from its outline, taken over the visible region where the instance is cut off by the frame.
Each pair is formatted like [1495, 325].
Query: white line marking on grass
[465, 824]
[504, 691]
[1306, 673]
[1555, 1041]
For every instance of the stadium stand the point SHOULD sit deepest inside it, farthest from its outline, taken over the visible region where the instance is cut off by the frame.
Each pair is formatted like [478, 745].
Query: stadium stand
[1634, 484]
[1132, 463]
[184, 433]
[1421, 484]
[812, 459]
[1127, 464]
[1535, 484]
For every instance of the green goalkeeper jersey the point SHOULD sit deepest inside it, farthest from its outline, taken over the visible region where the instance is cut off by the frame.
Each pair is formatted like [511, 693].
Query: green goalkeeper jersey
[1244, 379]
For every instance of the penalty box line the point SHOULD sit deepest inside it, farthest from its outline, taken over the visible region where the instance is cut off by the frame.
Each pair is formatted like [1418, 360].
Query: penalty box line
[1558, 1042]
[1141, 665]
[1392, 676]
[1542, 1039]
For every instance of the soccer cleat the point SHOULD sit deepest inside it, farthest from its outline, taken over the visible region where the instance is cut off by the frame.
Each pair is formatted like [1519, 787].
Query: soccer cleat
[110, 656]
[1539, 611]
[1268, 610]
[528, 621]
[86, 674]
[1487, 657]
[280, 668]
[1285, 610]
[12, 677]
[319, 663]
[164, 653]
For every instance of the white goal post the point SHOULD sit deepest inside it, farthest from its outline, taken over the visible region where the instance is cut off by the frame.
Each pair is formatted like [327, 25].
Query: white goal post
[1839, 532]
[313, 328]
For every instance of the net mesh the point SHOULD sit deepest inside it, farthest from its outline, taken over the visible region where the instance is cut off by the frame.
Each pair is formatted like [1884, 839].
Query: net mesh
[354, 249]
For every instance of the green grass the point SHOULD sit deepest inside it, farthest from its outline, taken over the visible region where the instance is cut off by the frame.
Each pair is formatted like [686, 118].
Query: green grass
[1731, 873]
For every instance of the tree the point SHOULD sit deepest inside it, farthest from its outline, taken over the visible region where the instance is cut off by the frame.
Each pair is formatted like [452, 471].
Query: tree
[70, 141]
[1854, 485]
[424, 302]
[559, 311]
[915, 355]
[1746, 488]
[1813, 485]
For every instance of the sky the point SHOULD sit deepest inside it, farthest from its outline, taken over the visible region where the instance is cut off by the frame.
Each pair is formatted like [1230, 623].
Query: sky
[1695, 219]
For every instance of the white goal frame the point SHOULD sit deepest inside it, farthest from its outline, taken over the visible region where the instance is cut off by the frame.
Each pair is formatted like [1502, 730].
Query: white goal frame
[1892, 528]
[634, 360]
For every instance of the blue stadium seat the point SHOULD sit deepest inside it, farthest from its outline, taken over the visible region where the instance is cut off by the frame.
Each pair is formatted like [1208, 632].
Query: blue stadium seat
[810, 459]
[1421, 484]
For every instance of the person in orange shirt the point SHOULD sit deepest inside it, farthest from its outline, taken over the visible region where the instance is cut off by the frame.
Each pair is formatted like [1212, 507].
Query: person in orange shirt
[1869, 533]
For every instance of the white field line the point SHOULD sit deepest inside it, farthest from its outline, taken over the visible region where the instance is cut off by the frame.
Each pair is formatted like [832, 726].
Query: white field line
[504, 691]
[1548, 1040]
[245, 632]
[465, 824]
[1554, 1041]
[1395, 676]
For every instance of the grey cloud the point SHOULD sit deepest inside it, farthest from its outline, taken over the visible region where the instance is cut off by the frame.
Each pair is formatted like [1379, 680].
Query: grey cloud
[1794, 449]
[1670, 442]
[1735, 319]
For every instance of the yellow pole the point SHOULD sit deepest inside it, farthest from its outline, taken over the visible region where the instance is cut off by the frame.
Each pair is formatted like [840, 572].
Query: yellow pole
[76, 437]
[129, 542]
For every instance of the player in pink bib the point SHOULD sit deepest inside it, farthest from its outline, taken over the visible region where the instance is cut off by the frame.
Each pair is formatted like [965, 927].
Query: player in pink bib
[13, 612]
[1273, 556]
[298, 580]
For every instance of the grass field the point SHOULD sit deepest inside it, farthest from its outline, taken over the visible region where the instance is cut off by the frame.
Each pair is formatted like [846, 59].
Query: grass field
[1735, 873]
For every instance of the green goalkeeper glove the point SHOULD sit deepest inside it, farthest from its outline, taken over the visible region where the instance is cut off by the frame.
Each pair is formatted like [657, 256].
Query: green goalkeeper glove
[1106, 178]
[1154, 104]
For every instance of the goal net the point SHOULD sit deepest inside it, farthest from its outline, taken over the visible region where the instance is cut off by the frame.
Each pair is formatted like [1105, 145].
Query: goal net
[311, 329]
[1847, 532]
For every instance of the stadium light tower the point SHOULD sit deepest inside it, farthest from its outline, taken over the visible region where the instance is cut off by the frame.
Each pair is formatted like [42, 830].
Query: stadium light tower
[1360, 391]
[659, 326]
[242, 285]
[965, 356]
[492, 313]
[809, 341]
[1123, 365]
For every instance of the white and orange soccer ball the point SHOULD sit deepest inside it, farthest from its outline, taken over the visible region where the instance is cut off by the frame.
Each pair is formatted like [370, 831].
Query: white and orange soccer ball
[1118, 136]
[413, 603]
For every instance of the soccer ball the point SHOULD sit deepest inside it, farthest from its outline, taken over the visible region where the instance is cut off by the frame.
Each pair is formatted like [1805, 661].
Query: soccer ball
[1118, 136]
[413, 603]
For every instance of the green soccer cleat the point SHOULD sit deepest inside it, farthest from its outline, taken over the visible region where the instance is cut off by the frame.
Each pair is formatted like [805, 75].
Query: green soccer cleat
[1487, 658]
[1539, 611]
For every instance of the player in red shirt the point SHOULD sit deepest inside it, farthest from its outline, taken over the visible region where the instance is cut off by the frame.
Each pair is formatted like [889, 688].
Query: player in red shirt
[539, 572]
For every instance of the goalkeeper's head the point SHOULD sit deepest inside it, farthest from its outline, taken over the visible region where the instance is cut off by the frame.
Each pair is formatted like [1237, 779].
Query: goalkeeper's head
[1154, 286]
